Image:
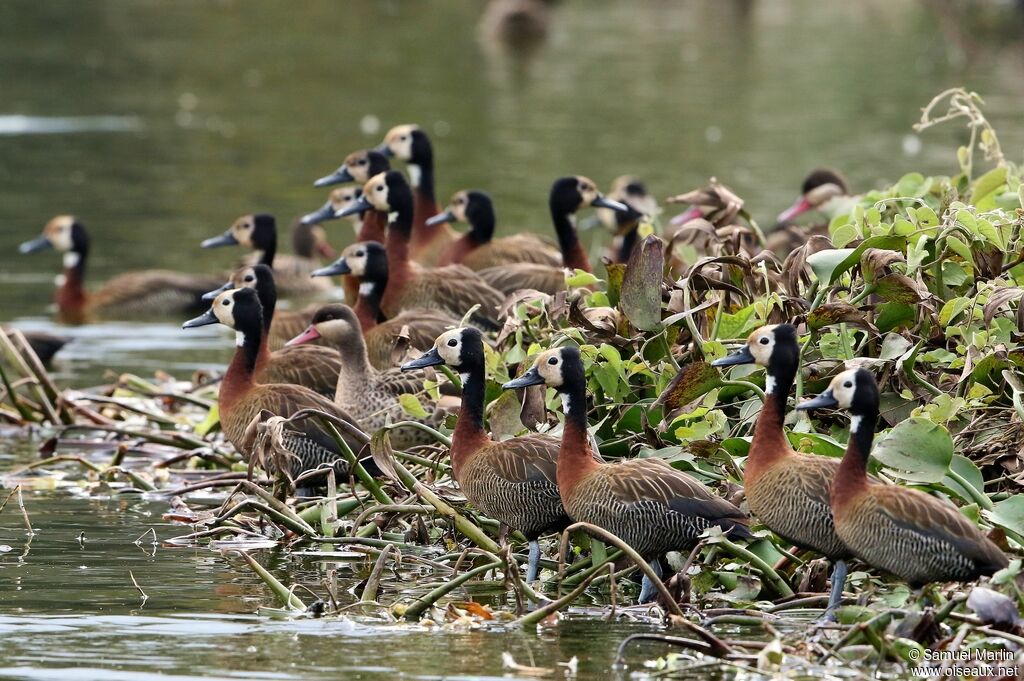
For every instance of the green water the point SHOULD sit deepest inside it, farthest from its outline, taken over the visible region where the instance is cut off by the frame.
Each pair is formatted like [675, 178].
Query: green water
[160, 122]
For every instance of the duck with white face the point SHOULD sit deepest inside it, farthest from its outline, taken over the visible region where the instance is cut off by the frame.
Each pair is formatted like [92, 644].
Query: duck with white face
[258, 232]
[452, 289]
[337, 201]
[129, 295]
[568, 195]
[510, 480]
[884, 525]
[478, 249]
[359, 166]
[410, 144]
[651, 506]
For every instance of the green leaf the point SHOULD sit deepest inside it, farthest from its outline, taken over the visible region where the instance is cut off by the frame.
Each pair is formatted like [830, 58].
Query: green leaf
[1009, 513]
[916, 450]
[580, 279]
[891, 316]
[956, 245]
[737, 324]
[640, 298]
[970, 473]
[987, 185]
[844, 234]
[411, 406]
[913, 184]
[692, 382]
[952, 309]
[815, 443]
[824, 263]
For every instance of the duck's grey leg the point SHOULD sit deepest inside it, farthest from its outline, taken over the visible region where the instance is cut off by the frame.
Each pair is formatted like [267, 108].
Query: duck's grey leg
[533, 566]
[647, 589]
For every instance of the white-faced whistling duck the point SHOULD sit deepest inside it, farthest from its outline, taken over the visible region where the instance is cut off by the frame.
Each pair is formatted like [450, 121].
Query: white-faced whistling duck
[631, 191]
[453, 289]
[478, 249]
[359, 167]
[126, 295]
[651, 506]
[917, 537]
[291, 273]
[314, 366]
[568, 195]
[821, 188]
[410, 144]
[788, 491]
[369, 394]
[366, 222]
[367, 264]
[243, 398]
[514, 480]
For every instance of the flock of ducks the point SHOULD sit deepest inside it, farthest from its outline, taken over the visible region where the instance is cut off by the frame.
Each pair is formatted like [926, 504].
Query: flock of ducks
[420, 294]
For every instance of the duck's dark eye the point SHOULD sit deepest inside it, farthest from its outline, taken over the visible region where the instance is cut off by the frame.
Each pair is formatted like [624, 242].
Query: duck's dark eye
[452, 342]
[553, 361]
[250, 278]
[764, 340]
[403, 138]
[361, 162]
[225, 303]
[360, 254]
[848, 384]
[380, 187]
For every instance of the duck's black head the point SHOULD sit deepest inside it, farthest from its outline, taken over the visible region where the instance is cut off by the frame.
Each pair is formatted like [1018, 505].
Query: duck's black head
[820, 177]
[571, 193]
[462, 349]
[774, 347]
[65, 234]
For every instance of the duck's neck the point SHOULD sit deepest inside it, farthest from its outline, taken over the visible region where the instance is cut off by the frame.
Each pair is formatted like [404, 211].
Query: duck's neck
[399, 265]
[373, 227]
[367, 307]
[769, 443]
[853, 470]
[239, 378]
[627, 245]
[459, 249]
[265, 256]
[355, 364]
[70, 297]
[424, 203]
[573, 255]
[469, 436]
[575, 457]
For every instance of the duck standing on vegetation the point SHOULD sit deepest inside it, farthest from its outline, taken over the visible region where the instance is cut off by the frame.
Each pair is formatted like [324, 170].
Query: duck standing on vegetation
[367, 264]
[314, 366]
[568, 195]
[514, 480]
[243, 397]
[651, 506]
[908, 533]
[259, 232]
[371, 395]
[453, 289]
[410, 144]
[787, 491]
[126, 295]
[478, 249]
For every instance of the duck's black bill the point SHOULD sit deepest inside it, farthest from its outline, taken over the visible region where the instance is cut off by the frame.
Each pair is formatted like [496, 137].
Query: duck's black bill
[204, 319]
[322, 214]
[446, 216]
[823, 401]
[430, 358]
[339, 176]
[531, 377]
[603, 202]
[741, 356]
[360, 205]
[339, 266]
[225, 239]
[37, 244]
[210, 295]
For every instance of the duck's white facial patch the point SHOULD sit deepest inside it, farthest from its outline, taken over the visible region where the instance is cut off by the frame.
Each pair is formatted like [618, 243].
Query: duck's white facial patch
[465, 376]
[855, 422]
[366, 288]
[769, 384]
[566, 402]
[393, 216]
[71, 260]
[415, 174]
[239, 338]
